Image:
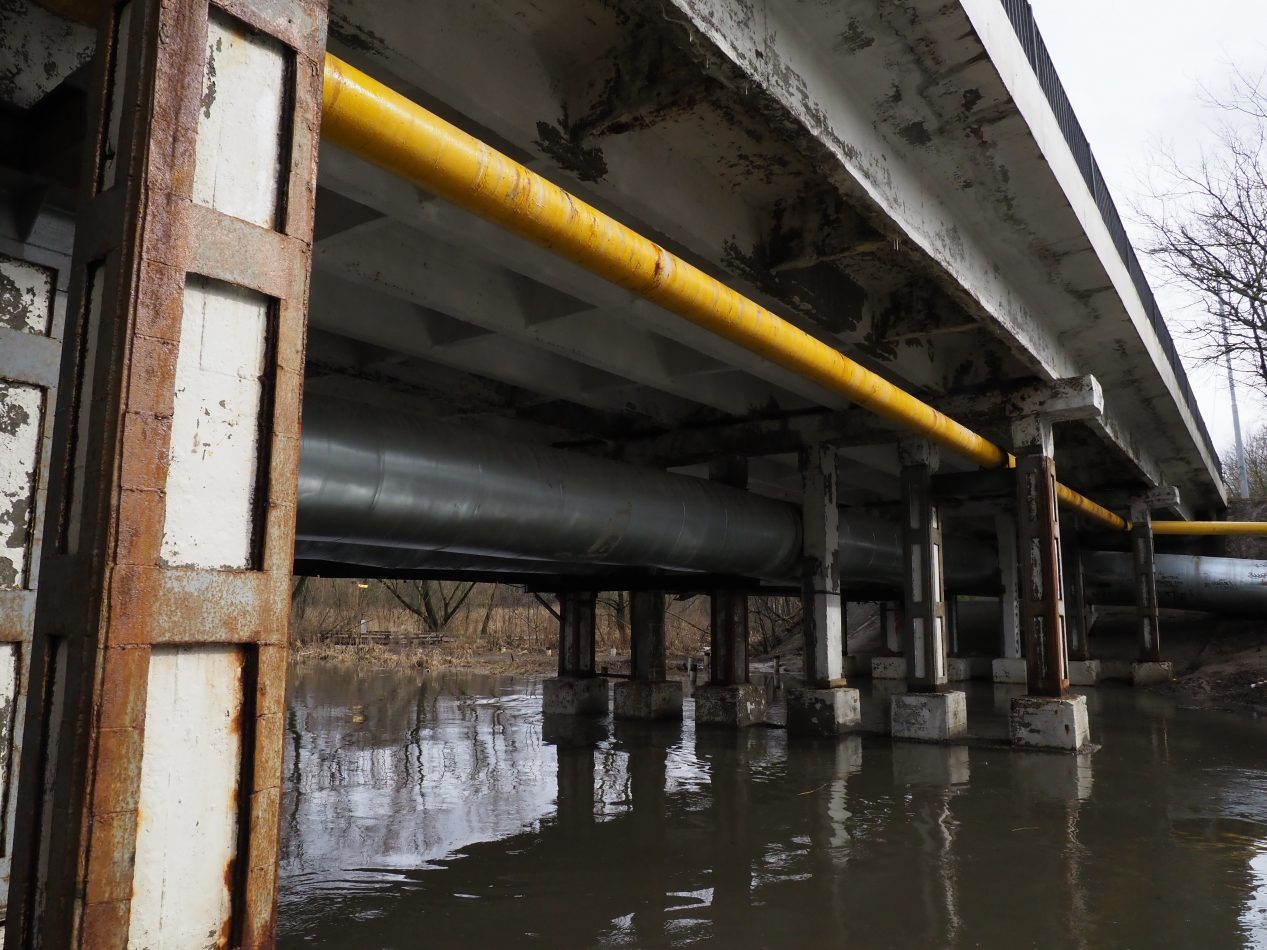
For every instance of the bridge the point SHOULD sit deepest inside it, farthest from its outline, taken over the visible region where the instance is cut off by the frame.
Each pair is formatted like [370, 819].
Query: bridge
[712, 295]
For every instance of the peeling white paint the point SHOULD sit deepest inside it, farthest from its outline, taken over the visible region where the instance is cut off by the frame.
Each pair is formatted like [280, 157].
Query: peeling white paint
[187, 814]
[238, 149]
[38, 49]
[118, 75]
[215, 427]
[21, 422]
[26, 296]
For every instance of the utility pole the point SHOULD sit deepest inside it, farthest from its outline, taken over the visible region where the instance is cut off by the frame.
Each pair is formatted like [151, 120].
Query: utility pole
[1236, 414]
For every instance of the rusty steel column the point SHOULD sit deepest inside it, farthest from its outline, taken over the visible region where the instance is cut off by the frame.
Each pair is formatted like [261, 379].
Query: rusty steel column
[1038, 544]
[646, 625]
[1146, 611]
[821, 609]
[32, 313]
[1076, 633]
[924, 605]
[577, 619]
[151, 778]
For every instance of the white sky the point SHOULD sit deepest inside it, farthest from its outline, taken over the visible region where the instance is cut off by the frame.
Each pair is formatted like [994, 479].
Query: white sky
[1133, 70]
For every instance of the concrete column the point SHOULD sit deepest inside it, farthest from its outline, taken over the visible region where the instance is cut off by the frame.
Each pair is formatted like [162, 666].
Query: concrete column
[1083, 671]
[577, 690]
[729, 699]
[1009, 667]
[151, 771]
[823, 704]
[1047, 717]
[1149, 668]
[32, 314]
[929, 711]
[892, 666]
[647, 694]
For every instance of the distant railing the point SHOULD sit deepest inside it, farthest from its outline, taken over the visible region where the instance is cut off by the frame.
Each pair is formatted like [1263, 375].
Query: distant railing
[1022, 17]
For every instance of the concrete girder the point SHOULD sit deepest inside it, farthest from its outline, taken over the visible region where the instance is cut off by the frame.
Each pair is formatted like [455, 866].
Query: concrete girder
[481, 300]
[403, 326]
[352, 177]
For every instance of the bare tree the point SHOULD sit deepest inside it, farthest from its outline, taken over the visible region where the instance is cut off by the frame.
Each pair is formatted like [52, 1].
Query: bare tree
[1209, 225]
[434, 602]
[1255, 467]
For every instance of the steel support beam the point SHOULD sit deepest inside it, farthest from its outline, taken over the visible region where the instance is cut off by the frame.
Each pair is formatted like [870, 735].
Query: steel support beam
[151, 778]
[1038, 541]
[821, 608]
[924, 605]
[728, 607]
[31, 322]
[1076, 620]
[1146, 612]
[1012, 647]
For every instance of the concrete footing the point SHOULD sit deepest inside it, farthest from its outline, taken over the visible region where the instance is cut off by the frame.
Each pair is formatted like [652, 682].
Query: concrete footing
[823, 712]
[888, 667]
[960, 669]
[643, 699]
[1084, 672]
[1009, 670]
[574, 696]
[930, 717]
[1145, 674]
[732, 706]
[1041, 722]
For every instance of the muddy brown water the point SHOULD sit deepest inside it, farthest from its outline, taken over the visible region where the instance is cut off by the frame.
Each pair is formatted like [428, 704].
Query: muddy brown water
[441, 811]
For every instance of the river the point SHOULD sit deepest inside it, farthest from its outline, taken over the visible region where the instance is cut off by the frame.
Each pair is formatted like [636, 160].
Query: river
[440, 811]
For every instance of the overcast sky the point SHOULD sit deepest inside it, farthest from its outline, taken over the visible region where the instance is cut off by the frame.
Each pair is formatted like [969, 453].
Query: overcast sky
[1134, 70]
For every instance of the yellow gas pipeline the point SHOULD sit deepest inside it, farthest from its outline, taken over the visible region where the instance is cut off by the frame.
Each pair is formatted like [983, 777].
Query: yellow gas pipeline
[380, 125]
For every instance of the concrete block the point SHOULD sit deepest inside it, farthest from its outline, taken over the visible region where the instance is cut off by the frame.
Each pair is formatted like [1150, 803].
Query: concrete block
[960, 669]
[574, 696]
[1145, 674]
[733, 707]
[936, 765]
[640, 699]
[823, 712]
[930, 717]
[877, 707]
[1005, 670]
[1042, 722]
[1116, 670]
[1084, 672]
[888, 667]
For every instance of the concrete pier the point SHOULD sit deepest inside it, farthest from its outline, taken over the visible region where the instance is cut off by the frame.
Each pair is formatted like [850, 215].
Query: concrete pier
[578, 690]
[1047, 717]
[822, 704]
[929, 711]
[647, 694]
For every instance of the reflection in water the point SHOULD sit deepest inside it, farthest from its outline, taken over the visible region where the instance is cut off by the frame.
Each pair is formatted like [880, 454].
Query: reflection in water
[443, 810]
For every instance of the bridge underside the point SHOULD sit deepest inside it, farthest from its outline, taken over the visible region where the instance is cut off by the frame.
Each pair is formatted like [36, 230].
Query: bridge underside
[885, 179]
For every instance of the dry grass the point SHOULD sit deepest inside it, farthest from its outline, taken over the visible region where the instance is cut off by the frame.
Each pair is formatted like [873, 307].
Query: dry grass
[497, 628]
